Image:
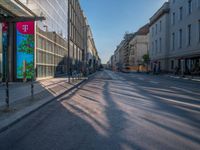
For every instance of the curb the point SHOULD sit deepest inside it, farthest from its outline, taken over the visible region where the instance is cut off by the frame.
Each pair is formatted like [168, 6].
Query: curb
[31, 109]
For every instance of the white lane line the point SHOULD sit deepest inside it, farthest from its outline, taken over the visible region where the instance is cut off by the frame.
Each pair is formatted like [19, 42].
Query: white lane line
[196, 80]
[178, 102]
[174, 77]
[180, 89]
[154, 82]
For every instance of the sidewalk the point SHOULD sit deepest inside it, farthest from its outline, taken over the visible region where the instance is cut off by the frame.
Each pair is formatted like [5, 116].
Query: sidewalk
[21, 102]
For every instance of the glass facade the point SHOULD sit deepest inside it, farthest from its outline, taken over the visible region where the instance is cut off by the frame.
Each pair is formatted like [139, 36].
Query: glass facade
[51, 36]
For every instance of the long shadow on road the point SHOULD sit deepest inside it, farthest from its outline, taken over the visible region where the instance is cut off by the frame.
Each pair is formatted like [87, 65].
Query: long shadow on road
[92, 118]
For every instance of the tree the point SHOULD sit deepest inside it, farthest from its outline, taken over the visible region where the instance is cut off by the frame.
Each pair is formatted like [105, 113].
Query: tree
[146, 60]
[27, 45]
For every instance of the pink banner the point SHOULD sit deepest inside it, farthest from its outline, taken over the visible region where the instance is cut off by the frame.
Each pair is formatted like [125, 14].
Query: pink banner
[25, 27]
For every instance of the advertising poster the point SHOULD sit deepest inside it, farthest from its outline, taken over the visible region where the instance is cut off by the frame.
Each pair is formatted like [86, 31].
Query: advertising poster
[25, 50]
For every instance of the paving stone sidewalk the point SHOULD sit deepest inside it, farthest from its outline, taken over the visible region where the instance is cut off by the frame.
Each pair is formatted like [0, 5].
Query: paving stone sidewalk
[22, 103]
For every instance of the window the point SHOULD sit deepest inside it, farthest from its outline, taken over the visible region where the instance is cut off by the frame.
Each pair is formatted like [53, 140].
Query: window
[189, 6]
[160, 26]
[198, 5]
[156, 46]
[180, 38]
[189, 35]
[172, 64]
[156, 28]
[40, 43]
[173, 41]
[152, 31]
[160, 44]
[199, 30]
[180, 13]
[152, 47]
[173, 18]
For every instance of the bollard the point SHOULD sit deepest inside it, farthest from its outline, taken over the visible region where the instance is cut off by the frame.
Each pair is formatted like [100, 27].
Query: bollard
[32, 87]
[7, 94]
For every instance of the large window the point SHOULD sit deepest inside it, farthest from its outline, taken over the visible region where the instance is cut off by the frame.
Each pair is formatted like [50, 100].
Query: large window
[173, 41]
[189, 35]
[152, 48]
[156, 28]
[152, 31]
[189, 6]
[180, 13]
[180, 38]
[160, 26]
[160, 44]
[198, 5]
[199, 30]
[172, 64]
[156, 46]
[173, 18]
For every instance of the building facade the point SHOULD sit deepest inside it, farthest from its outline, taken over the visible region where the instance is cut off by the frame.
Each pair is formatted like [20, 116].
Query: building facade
[76, 36]
[128, 54]
[175, 37]
[138, 47]
[92, 54]
[184, 52]
[50, 38]
[159, 39]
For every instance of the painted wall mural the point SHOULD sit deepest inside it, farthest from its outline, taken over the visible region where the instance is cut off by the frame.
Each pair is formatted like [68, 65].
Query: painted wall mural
[25, 50]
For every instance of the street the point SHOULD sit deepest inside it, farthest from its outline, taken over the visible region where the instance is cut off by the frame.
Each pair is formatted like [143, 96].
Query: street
[114, 111]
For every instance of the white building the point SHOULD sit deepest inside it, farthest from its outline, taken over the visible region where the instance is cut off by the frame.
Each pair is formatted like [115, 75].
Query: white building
[175, 37]
[184, 52]
[138, 47]
[159, 38]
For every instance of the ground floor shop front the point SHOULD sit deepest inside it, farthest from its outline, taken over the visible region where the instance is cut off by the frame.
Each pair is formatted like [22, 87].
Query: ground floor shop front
[185, 65]
[189, 65]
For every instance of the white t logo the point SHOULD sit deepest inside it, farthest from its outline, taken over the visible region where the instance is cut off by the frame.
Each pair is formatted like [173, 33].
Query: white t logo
[25, 28]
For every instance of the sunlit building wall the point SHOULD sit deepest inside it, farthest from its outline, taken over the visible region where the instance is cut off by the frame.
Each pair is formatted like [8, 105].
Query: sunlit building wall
[159, 41]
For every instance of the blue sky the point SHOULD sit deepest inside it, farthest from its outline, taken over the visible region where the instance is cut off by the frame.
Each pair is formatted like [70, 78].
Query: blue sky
[110, 19]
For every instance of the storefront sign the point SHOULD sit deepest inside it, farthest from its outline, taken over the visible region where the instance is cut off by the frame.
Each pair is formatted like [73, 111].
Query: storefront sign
[25, 50]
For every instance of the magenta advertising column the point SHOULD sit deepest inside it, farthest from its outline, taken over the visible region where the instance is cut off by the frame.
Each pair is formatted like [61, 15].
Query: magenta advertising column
[25, 50]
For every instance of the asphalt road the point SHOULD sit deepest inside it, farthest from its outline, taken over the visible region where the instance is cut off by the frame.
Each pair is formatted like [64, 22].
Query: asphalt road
[115, 111]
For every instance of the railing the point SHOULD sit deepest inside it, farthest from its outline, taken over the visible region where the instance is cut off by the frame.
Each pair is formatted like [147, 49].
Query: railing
[6, 88]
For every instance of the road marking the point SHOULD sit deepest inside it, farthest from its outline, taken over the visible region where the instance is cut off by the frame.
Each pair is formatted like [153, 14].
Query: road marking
[179, 102]
[154, 82]
[196, 80]
[141, 79]
[181, 89]
[174, 77]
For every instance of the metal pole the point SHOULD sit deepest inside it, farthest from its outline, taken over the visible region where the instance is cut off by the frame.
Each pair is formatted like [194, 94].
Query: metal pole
[68, 36]
[32, 88]
[7, 93]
